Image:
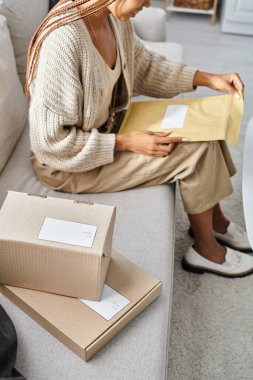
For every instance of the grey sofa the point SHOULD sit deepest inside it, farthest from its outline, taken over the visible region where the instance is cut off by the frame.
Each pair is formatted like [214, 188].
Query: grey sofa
[144, 233]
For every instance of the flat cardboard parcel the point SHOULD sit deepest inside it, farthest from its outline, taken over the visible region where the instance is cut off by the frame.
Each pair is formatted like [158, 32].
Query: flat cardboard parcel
[74, 323]
[55, 245]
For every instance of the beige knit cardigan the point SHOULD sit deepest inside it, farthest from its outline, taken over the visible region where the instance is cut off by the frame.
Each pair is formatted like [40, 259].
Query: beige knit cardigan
[69, 85]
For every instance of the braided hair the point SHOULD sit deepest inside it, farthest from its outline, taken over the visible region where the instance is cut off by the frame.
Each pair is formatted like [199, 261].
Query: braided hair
[66, 12]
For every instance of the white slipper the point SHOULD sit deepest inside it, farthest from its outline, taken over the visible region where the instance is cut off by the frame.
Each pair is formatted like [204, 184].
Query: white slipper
[235, 237]
[236, 263]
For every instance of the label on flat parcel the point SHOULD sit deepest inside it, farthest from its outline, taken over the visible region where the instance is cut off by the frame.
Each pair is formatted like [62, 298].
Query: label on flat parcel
[63, 231]
[174, 116]
[111, 303]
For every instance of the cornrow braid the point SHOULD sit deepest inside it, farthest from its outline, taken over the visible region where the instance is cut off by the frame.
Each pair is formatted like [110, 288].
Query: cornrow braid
[62, 8]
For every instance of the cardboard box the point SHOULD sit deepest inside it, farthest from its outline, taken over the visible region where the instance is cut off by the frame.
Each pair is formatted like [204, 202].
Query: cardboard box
[74, 323]
[55, 245]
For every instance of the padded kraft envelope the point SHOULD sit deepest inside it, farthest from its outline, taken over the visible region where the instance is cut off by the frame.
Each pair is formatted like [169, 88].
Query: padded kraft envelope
[198, 119]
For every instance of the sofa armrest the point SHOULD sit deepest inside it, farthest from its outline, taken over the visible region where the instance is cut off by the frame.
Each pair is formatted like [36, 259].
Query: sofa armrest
[150, 24]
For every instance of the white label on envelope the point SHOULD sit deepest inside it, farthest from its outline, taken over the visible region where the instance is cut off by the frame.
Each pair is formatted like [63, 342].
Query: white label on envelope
[174, 117]
[111, 303]
[63, 231]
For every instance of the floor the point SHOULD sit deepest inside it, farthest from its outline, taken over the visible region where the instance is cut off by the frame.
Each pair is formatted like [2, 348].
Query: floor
[211, 331]
[208, 49]
[209, 337]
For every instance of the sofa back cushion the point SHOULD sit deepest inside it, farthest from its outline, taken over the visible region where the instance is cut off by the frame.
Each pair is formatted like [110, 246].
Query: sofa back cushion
[23, 18]
[151, 24]
[13, 105]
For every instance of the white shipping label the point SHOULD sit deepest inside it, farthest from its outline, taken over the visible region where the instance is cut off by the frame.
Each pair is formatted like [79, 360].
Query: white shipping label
[63, 231]
[111, 303]
[174, 117]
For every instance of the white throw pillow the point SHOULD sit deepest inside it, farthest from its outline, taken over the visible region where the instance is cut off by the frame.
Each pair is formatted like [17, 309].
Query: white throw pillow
[13, 105]
[23, 18]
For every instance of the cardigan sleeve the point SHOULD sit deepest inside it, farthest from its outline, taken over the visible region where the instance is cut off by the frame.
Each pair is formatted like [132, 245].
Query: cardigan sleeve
[59, 143]
[58, 132]
[157, 76]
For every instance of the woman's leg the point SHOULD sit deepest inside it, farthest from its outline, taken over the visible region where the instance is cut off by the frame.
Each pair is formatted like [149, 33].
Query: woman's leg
[207, 254]
[229, 233]
[220, 222]
[202, 170]
[205, 243]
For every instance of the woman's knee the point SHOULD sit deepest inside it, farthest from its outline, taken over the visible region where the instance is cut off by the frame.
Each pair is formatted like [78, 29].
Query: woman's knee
[200, 146]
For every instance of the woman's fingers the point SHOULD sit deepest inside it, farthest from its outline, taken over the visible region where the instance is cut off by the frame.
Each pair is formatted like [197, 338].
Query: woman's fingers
[164, 151]
[168, 140]
[232, 83]
[172, 147]
[162, 148]
[237, 84]
[163, 139]
[150, 143]
[166, 145]
[160, 134]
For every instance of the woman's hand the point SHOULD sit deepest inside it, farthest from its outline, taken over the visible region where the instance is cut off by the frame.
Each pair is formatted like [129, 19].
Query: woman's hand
[230, 83]
[157, 144]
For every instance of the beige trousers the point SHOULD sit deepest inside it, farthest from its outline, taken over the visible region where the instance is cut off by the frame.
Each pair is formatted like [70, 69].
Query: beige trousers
[202, 169]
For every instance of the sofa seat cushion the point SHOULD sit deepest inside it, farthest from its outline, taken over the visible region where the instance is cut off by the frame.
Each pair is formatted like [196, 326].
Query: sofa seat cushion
[144, 233]
[23, 18]
[13, 107]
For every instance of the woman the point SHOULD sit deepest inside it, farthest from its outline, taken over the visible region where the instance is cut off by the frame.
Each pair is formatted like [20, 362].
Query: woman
[84, 64]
